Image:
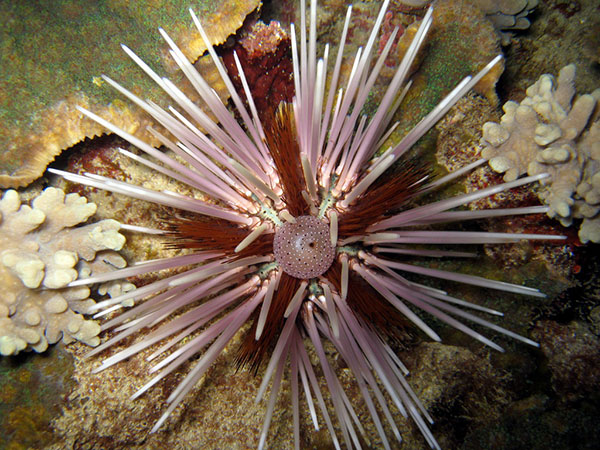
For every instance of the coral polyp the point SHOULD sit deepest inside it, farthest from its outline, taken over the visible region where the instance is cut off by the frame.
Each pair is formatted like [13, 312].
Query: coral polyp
[305, 230]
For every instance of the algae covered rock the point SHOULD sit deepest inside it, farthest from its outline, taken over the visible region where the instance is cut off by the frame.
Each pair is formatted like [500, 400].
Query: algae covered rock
[52, 57]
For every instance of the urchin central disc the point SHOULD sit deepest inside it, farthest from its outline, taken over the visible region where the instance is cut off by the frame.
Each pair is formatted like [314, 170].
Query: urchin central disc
[303, 249]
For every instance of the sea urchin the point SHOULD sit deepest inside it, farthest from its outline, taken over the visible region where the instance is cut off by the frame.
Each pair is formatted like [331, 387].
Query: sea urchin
[303, 230]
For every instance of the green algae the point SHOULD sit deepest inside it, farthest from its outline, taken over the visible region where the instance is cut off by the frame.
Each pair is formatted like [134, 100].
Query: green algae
[52, 51]
[67, 44]
[460, 43]
[32, 388]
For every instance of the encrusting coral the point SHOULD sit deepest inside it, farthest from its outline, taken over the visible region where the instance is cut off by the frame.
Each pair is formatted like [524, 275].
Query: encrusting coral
[38, 119]
[41, 252]
[553, 131]
[264, 55]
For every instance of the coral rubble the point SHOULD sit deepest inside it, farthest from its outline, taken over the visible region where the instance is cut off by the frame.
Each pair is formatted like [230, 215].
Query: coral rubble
[553, 131]
[41, 253]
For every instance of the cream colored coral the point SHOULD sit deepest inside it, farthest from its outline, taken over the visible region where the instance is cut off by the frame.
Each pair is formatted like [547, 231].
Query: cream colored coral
[550, 132]
[41, 252]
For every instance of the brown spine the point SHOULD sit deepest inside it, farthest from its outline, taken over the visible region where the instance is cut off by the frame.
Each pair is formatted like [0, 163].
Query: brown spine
[252, 352]
[283, 145]
[369, 307]
[393, 190]
[215, 235]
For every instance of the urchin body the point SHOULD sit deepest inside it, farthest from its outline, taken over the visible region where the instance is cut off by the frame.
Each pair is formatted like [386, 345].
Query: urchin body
[306, 235]
[303, 247]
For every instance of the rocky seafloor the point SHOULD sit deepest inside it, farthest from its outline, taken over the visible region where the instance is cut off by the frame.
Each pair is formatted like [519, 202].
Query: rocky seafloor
[525, 398]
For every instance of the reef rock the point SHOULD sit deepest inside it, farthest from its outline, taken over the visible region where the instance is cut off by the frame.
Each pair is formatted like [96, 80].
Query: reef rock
[508, 15]
[52, 50]
[553, 131]
[41, 252]
[573, 353]
[265, 57]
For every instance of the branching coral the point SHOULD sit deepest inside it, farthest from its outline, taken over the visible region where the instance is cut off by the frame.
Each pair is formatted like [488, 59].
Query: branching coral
[41, 252]
[553, 131]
